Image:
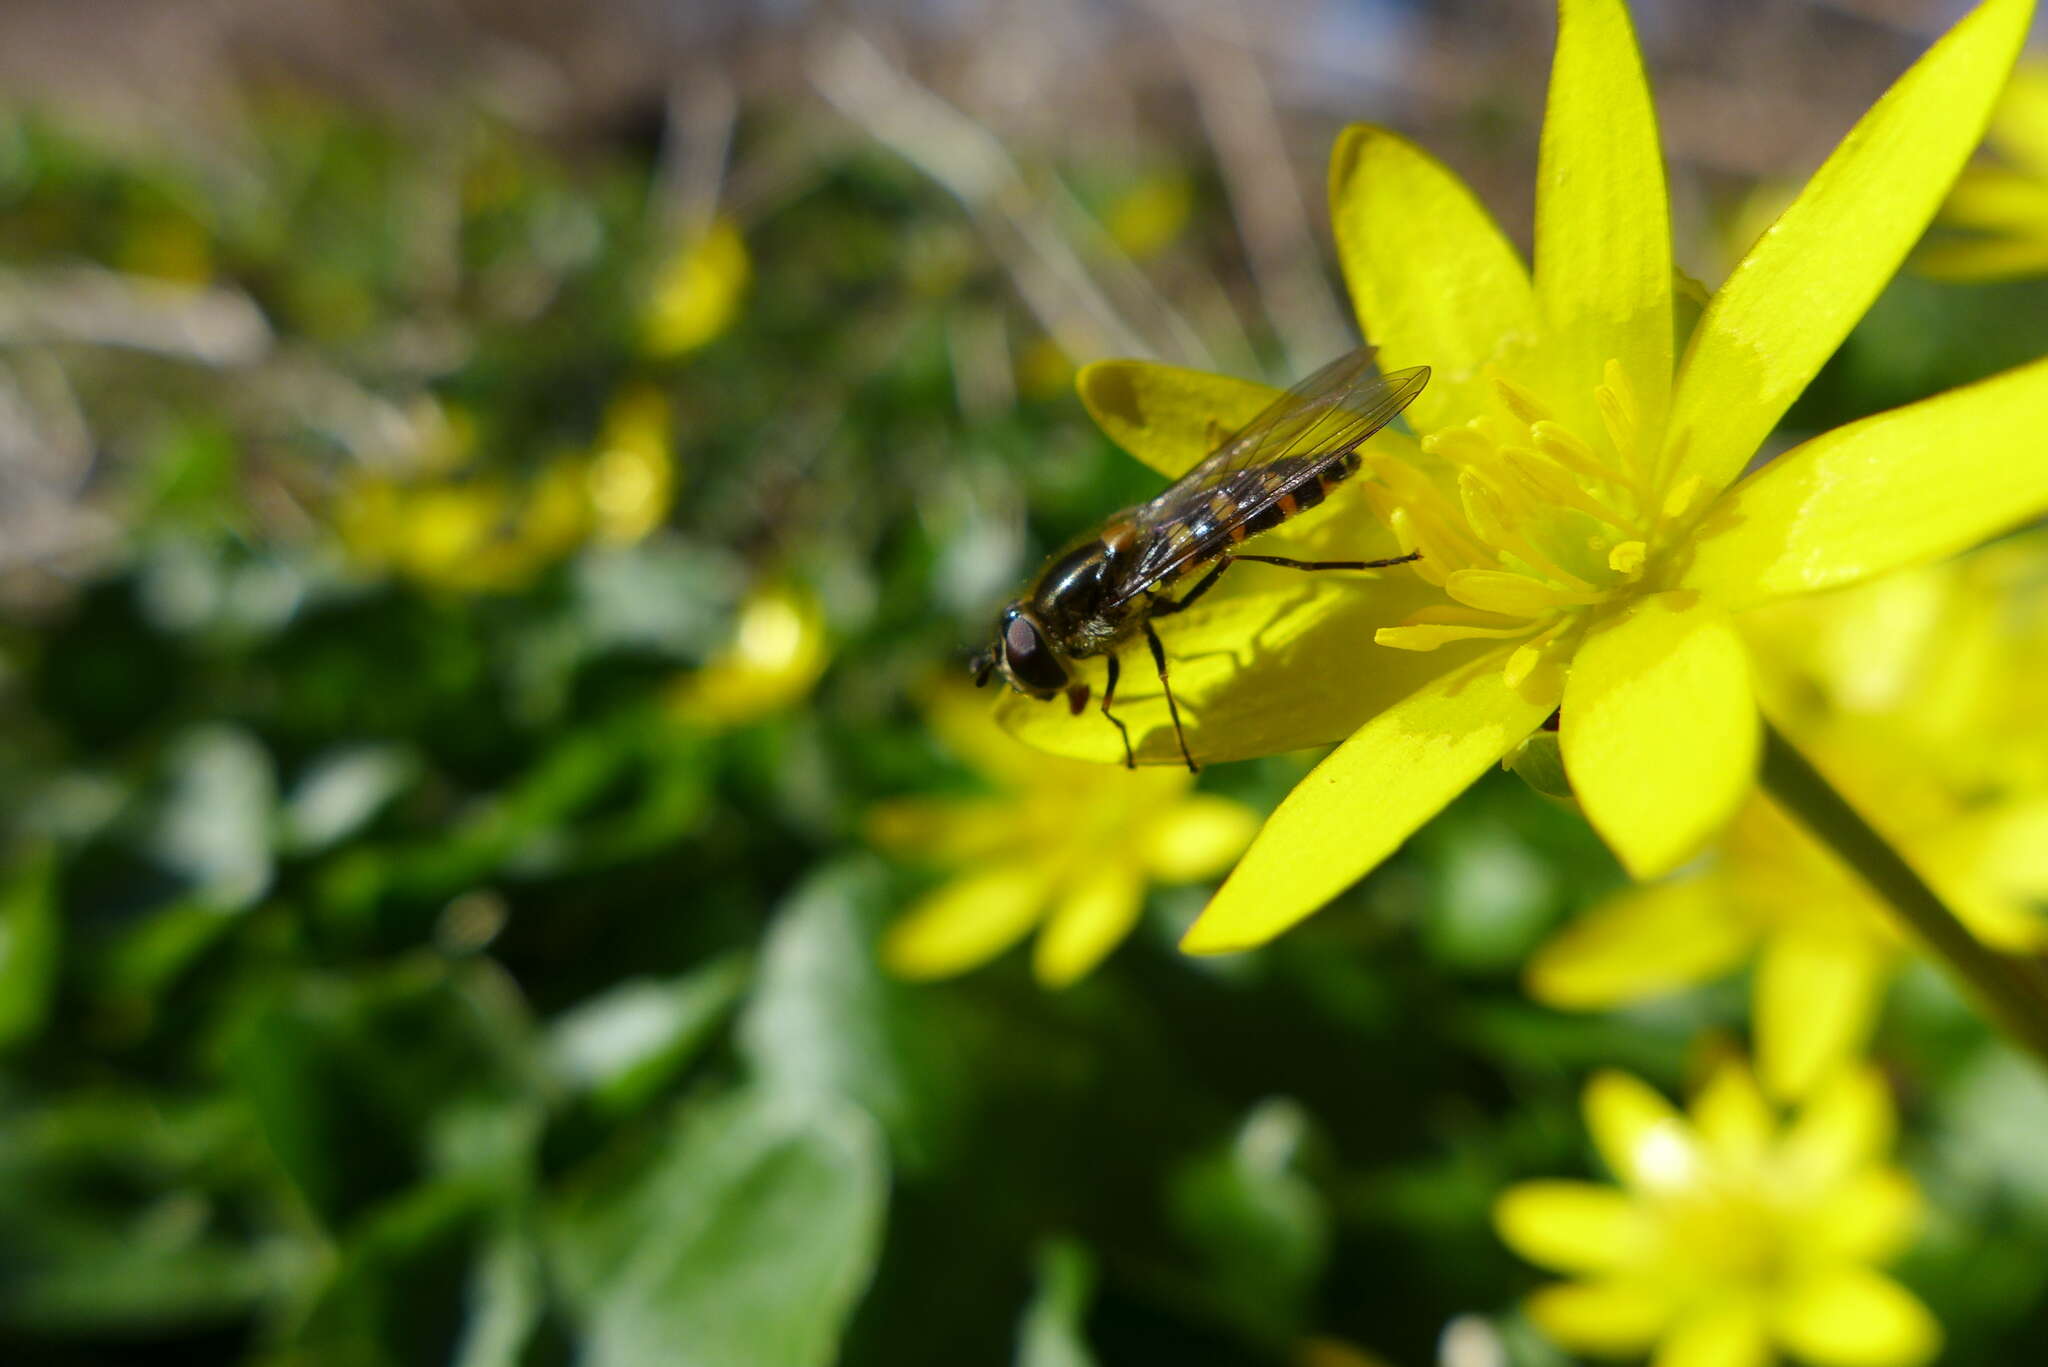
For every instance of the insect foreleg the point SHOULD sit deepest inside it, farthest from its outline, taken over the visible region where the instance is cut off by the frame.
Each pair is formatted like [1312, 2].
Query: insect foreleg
[1109, 692]
[1325, 564]
[1159, 663]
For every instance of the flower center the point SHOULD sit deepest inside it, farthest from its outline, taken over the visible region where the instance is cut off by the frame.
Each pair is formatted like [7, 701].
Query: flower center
[1525, 523]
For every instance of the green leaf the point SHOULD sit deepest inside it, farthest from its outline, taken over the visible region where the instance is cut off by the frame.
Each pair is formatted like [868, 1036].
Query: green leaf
[825, 1020]
[624, 1044]
[743, 1239]
[28, 945]
[1051, 1332]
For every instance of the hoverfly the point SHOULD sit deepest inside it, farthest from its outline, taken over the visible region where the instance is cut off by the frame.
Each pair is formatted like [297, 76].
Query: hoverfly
[1100, 590]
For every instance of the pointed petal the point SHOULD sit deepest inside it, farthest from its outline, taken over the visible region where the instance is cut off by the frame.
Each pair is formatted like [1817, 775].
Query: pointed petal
[1734, 1121]
[1397, 771]
[1794, 297]
[1897, 489]
[1727, 1333]
[1089, 919]
[966, 923]
[1871, 1218]
[1660, 730]
[1603, 226]
[1198, 838]
[1855, 1317]
[1642, 942]
[1816, 1001]
[1569, 1226]
[1642, 1138]
[942, 830]
[1433, 279]
[1845, 1125]
[1167, 416]
[1611, 1318]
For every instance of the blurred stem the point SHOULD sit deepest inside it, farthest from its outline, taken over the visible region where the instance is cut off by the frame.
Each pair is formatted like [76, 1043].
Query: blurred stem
[2012, 990]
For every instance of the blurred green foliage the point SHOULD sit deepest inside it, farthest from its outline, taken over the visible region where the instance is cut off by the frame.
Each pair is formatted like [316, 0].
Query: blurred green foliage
[391, 974]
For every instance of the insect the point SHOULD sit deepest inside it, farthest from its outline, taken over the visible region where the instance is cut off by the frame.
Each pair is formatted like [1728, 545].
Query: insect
[1101, 590]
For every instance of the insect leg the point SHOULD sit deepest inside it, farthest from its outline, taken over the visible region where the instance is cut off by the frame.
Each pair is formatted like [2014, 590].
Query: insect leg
[1166, 607]
[1159, 663]
[1108, 692]
[1328, 564]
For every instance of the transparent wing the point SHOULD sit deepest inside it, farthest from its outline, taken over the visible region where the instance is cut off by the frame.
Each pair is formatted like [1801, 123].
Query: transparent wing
[1293, 440]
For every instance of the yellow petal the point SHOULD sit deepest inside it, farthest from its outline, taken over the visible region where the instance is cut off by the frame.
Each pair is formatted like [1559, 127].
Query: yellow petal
[1660, 730]
[1734, 1121]
[1845, 1125]
[1603, 228]
[1166, 416]
[1569, 1226]
[1397, 771]
[1731, 1333]
[1608, 1318]
[1090, 919]
[1871, 1218]
[1643, 1140]
[1794, 297]
[1897, 489]
[1433, 279]
[1984, 258]
[1271, 660]
[942, 830]
[1816, 1000]
[1642, 942]
[1857, 1318]
[1198, 838]
[1991, 197]
[2019, 126]
[966, 923]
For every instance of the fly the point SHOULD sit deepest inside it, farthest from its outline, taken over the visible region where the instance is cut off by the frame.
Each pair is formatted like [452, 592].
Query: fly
[1098, 592]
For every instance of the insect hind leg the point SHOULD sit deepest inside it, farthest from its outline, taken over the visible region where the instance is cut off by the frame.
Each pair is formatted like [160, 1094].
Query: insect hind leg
[1172, 709]
[1288, 563]
[1109, 692]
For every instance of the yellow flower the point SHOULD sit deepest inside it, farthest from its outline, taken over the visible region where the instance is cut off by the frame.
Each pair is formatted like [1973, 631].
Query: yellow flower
[777, 652]
[1906, 690]
[1732, 1233]
[632, 472]
[698, 292]
[1146, 218]
[2000, 209]
[1063, 846]
[1577, 489]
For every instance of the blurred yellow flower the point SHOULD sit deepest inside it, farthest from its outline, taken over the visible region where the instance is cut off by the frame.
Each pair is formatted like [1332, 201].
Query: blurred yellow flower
[1733, 1233]
[776, 654]
[1065, 847]
[1588, 536]
[1147, 216]
[698, 291]
[1918, 693]
[1999, 209]
[632, 472]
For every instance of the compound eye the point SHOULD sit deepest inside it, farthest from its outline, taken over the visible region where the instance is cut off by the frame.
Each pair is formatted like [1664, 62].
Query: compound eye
[1032, 662]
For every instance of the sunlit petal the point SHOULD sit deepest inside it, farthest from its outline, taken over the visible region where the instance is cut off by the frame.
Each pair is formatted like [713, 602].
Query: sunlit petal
[1433, 279]
[1792, 299]
[1609, 1318]
[1603, 229]
[1816, 1001]
[1642, 942]
[1569, 1226]
[1166, 416]
[1857, 1318]
[966, 923]
[1870, 1218]
[1893, 490]
[1730, 1333]
[1198, 838]
[1660, 730]
[1642, 1138]
[1089, 919]
[1734, 1121]
[1845, 1125]
[1397, 771]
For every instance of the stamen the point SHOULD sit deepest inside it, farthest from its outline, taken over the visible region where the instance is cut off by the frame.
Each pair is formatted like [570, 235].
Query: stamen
[1514, 595]
[1521, 402]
